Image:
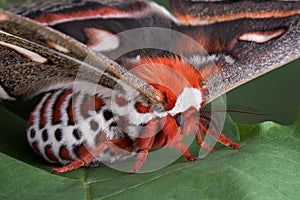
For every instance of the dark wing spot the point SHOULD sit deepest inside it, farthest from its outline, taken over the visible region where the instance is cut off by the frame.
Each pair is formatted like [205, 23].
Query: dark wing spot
[58, 134]
[107, 114]
[45, 135]
[76, 148]
[77, 134]
[94, 125]
[32, 133]
[113, 124]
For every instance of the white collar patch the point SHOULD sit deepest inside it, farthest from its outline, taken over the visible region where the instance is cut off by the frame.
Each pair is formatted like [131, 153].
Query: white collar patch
[189, 97]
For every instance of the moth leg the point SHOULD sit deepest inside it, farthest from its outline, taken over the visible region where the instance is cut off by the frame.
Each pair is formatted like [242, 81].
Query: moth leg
[140, 159]
[221, 138]
[121, 146]
[190, 124]
[202, 143]
[73, 165]
[144, 143]
[199, 140]
[182, 148]
[228, 142]
[175, 134]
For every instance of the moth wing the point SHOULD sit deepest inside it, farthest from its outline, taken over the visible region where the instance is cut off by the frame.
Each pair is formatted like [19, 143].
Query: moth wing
[246, 38]
[35, 59]
[93, 23]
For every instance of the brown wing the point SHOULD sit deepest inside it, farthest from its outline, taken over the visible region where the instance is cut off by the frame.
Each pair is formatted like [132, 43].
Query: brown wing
[247, 38]
[35, 59]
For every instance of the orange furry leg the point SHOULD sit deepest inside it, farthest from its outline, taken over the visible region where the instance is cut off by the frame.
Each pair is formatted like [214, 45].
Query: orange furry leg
[73, 165]
[140, 159]
[182, 148]
[191, 125]
[170, 130]
[201, 143]
[121, 146]
[221, 138]
[227, 142]
[174, 136]
[190, 121]
[145, 143]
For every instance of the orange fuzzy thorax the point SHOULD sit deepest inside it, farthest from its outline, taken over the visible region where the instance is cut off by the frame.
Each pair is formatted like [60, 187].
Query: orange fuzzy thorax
[168, 76]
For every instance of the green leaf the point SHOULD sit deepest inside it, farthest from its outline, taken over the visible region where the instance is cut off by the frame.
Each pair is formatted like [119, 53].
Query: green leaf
[22, 181]
[266, 166]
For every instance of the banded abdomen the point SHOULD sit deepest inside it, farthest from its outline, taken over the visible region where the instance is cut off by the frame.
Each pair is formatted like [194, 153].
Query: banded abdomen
[67, 126]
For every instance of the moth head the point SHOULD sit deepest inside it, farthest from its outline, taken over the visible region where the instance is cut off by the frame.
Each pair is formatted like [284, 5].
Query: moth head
[174, 79]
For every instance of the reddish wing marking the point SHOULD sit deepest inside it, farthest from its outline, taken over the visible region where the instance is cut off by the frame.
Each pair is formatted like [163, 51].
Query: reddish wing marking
[55, 18]
[192, 19]
[89, 10]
